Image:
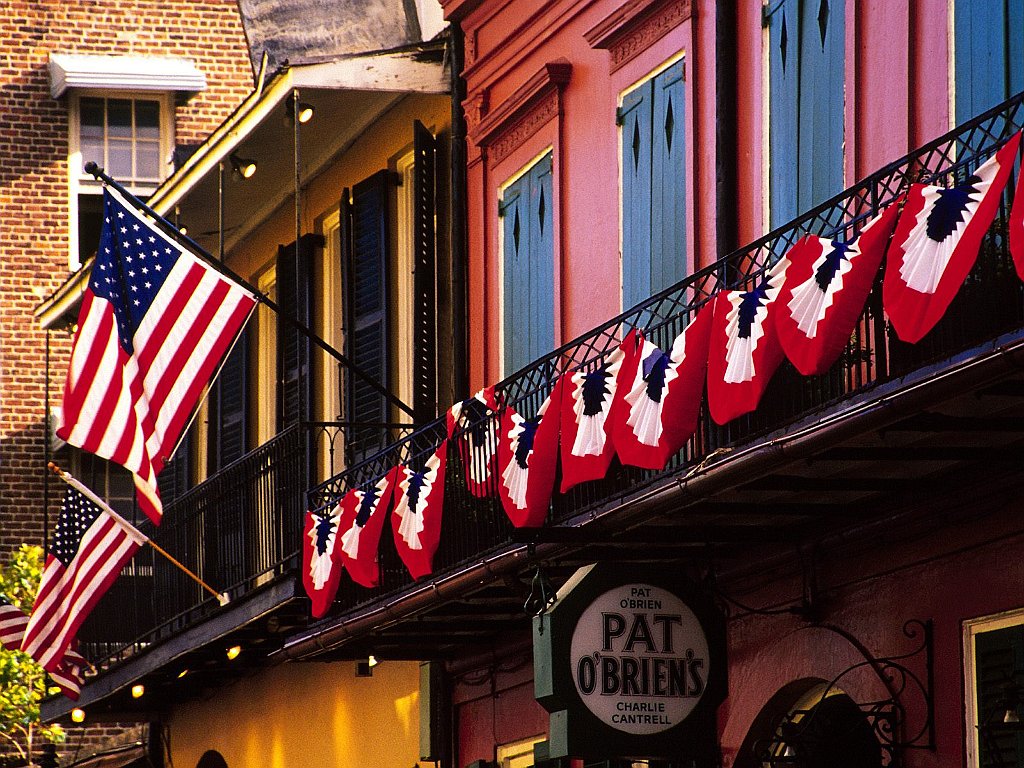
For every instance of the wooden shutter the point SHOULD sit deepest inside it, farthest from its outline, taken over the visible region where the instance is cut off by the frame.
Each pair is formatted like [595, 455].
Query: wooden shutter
[424, 364]
[528, 264]
[668, 180]
[989, 50]
[635, 117]
[783, 76]
[294, 349]
[228, 408]
[806, 105]
[999, 661]
[820, 153]
[174, 477]
[365, 254]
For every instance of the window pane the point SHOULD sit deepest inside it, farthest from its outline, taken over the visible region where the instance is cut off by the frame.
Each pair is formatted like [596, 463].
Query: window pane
[90, 217]
[119, 118]
[147, 120]
[92, 118]
[147, 161]
[119, 158]
[92, 149]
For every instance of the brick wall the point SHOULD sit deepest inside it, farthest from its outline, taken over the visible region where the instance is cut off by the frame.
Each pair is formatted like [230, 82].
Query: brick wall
[34, 198]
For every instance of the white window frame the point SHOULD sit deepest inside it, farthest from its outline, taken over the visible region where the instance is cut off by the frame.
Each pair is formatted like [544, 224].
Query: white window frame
[971, 629]
[517, 754]
[81, 183]
[266, 358]
[404, 287]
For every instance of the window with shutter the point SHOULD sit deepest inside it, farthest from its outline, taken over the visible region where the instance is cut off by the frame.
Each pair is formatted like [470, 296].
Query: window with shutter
[653, 141]
[364, 237]
[806, 102]
[995, 688]
[294, 349]
[988, 44]
[175, 477]
[528, 263]
[228, 408]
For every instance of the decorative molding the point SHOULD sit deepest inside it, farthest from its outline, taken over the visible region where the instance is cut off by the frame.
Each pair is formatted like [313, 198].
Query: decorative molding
[475, 107]
[514, 136]
[636, 26]
[519, 116]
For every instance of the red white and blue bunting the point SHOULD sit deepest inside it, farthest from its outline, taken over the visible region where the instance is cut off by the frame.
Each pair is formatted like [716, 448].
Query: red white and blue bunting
[642, 404]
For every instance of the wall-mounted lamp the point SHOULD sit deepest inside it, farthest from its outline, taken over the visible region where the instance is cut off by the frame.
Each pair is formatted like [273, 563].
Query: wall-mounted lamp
[305, 111]
[241, 166]
[77, 715]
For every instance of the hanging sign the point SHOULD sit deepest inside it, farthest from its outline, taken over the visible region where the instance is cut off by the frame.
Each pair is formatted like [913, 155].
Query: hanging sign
[631, 665]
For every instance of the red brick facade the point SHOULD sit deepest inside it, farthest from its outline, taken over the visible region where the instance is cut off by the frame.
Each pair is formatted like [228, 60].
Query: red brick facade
[34, 242]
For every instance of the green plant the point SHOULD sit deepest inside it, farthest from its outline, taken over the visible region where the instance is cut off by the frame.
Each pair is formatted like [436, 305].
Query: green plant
[23, 683]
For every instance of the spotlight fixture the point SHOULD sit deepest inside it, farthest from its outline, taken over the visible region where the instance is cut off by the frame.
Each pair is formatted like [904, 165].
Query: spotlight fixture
[371, 661]
[183, 229]
[241, 166]
[233, 652]
[305, 111]
[77, 715]
[138, 691]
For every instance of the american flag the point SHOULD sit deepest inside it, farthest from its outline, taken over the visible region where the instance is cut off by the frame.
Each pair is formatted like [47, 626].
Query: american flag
[154, 325]
[88, 550]
[67, 675]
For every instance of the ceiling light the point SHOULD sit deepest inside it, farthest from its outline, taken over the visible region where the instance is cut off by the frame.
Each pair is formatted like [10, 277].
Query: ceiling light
[183, 673]
[233, 652]
[243, 167]
[77, 715]
[138, 691]
[305, 111]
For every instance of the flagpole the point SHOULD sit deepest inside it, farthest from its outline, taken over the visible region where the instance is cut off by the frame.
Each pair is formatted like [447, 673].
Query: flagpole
[92, 168]
[138, 536]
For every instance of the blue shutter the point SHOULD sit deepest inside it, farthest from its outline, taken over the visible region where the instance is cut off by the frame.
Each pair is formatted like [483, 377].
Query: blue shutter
[365, 245]
[820, 142]
[668, 182]
[805, 123]
[783, 77]
[989, 50]
[635, 116]
[542, 262]
[527, 222]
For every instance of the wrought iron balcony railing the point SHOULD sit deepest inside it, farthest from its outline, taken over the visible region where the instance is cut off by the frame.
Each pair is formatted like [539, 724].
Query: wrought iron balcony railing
[242, 527]
[989, 304]
[238, 530]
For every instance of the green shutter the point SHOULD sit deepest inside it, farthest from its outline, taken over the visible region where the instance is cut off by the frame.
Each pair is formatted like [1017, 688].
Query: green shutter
[527, 220]
[365, 253]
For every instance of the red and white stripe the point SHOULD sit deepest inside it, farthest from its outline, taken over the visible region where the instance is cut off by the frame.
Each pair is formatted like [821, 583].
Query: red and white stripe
[67, 595]
[132, 409]
[68, 674]
[12, 626]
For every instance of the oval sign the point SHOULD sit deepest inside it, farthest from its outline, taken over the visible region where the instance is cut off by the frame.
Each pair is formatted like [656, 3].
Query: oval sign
[639, 659]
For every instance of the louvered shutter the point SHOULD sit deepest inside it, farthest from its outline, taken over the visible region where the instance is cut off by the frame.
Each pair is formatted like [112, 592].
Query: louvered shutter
[294, 349]
[174, 478]
[542, 262]
[515, 276]
[635, 117]
[365, 254]
[999, 661]
[989, 51]
[228, 408]
[424, 372]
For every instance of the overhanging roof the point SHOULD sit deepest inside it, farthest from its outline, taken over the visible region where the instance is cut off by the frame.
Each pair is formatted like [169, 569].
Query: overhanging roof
[136, 73]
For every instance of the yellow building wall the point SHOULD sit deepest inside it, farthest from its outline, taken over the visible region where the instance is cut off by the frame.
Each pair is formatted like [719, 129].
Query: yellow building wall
[299, 715]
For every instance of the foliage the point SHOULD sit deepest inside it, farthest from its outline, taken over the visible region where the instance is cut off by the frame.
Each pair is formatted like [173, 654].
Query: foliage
[23, 683]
